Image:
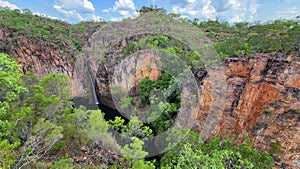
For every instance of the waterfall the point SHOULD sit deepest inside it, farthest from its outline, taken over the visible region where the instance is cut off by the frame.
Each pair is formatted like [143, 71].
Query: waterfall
[91, 82]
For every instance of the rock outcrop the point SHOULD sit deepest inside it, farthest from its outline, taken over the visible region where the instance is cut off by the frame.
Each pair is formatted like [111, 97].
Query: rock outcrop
[43, 57]
[263, 103]
[123, 77]
[261, 100]
[261, 93]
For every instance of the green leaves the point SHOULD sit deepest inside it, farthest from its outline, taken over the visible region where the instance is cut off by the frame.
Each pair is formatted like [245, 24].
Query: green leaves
[134, 154]
[117, 124]
[56, 84]
[97, 125]
[7, 154]
[43, 136]
[214, 154]
[243, 39]
[134, 149]
[11, 89]
[10, 79]
[136, 128]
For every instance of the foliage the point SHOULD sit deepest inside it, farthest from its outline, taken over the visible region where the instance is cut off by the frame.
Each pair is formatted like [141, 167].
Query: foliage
[145, 86]
[217, 153]
[275, 148]
[162, 116]
[134, 154]
[98, 130]
[163, 107]
[117, 124]
[145, 9]
[243, 39]
[136, 128]
[42, 137]
[26, 24]
[7, 153]
[32, 114]
[63, 163]
[126, 102]
[173, 46]
[11, 89]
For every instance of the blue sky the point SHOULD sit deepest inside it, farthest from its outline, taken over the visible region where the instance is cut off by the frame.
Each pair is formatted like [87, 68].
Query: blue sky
[225, 10]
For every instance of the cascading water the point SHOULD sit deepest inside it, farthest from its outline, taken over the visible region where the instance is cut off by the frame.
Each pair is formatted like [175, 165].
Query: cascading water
[91, 82]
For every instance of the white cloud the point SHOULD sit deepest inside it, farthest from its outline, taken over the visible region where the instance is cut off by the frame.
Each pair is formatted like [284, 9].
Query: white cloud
[134, 15]
[8, 5]
[78, 5]
[45, 15]
[229, 10]
[124, 8]
[289, 13]
[76, 10]
[124, 5]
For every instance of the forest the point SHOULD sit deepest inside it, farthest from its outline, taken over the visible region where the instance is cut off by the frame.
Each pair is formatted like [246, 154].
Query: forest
[41, 128]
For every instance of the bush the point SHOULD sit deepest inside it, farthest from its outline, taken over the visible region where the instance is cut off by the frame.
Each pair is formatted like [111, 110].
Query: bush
[217, 153]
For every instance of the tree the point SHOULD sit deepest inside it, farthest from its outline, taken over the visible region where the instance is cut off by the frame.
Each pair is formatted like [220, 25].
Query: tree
[134, 154]
[25, 104]
[136, 128]
[42, 137]
[7, 153]
[217, 153]
[117, 124]
[98, 131]
[11, 89]
[97, 126]
[56, 84]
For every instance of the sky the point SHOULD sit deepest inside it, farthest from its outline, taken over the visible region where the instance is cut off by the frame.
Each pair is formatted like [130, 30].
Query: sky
[231, 11]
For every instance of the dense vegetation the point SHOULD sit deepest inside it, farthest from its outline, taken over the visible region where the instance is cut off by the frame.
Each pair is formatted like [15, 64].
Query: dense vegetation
[243, 39]
[40, 128]
[38, 121]
[163, 107]
[236, 40]
[25, 23]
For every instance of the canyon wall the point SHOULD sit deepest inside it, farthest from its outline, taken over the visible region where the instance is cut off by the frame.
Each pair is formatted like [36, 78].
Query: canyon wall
[262, 92]
[261, 99]
[43, 57]
[262, 102]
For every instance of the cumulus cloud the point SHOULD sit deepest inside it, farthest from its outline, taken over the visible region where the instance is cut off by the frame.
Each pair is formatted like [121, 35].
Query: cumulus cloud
[76, 10]
[7, 4]
[229, 10]
[124, 8]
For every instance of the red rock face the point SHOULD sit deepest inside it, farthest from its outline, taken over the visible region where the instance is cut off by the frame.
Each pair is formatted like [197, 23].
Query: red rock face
[262, 93]
[41, 57]
[125, 75]
[262, 102]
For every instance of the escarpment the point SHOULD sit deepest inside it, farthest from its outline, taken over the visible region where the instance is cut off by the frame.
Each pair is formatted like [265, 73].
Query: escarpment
[261, 93]
[262, 99]
[262, 102]
[43, 57]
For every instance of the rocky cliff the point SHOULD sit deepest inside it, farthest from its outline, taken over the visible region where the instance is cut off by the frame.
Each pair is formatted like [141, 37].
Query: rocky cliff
[43, 57]
[262, 99]
[263, 102]
[262, 92]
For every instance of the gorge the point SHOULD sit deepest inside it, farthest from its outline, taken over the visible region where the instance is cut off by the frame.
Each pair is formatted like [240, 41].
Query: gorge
[256, 96]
